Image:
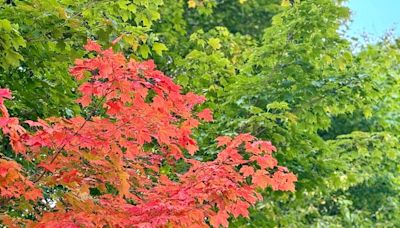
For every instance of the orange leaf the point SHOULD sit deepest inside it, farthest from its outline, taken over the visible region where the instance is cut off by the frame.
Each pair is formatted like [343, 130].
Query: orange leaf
[205, 115]
[33, 194]
[221, 218]
[92, 46]
[247, 170]
[49, 167]
[223, 140]
[6, 93]
[266, 161]
[261, 179]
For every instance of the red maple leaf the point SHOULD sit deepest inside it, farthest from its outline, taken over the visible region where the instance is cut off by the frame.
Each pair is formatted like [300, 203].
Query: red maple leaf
[223, 140]
[247, 170]
[206, 115]
[5, 93]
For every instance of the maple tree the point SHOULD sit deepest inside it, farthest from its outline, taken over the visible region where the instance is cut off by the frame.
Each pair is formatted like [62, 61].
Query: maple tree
[136, 120]
[271, 68]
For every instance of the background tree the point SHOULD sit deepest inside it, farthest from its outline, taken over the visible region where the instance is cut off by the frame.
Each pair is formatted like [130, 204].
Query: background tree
[320, 102]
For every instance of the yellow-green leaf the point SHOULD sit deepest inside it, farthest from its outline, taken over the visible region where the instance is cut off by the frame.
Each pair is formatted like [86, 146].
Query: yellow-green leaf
[214, 43]
[191, 4]
[144, 51]
[159, 48]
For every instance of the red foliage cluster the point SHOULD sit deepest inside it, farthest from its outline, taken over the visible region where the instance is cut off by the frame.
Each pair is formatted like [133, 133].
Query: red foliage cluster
[137, 121]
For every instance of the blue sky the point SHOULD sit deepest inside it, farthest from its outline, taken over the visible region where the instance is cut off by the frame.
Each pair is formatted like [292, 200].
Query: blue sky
[374, 17]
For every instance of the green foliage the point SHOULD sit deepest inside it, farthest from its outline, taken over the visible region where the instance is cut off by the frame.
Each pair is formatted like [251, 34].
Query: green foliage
[10, 42]
[331, 112]
[247, 17]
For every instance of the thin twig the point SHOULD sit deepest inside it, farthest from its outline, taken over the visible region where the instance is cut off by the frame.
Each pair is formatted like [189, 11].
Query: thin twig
[76, 133]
